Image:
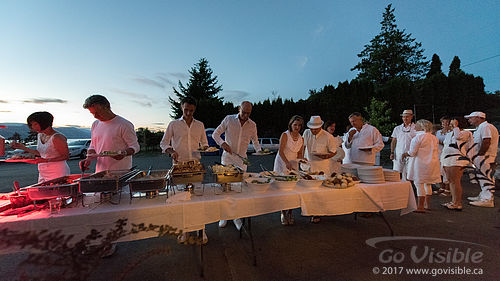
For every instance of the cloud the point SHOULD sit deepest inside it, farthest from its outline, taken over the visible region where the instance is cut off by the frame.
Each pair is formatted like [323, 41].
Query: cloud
[45, 100]
[179, 75]
[158, 123]
[130, 94]
[164, 78]
[143, 103]
[149, 82]
[75, 126]
[235, 95]
[5, 111]
[302, 61]
[3, 101]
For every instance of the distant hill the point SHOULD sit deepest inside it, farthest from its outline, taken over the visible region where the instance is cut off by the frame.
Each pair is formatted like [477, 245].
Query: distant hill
[23, 130]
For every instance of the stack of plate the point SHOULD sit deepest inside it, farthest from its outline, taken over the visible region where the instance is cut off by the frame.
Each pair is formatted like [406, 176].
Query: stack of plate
[350, 168]
[371, 174]
[391, 175]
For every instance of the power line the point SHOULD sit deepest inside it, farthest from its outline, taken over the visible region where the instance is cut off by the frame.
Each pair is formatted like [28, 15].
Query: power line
[481, 60]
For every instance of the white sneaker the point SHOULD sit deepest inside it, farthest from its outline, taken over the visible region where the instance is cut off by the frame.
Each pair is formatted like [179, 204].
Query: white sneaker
[205, 237]
[477, 198]
[238, 223]
[222, 223]
[483, 203]
[182, 238]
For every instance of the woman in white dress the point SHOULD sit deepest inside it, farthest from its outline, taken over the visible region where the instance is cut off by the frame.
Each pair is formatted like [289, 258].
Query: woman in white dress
[456, 144]
[52, 147]
[444, 188]
[290, 151]
[423, 167]
[335, 161]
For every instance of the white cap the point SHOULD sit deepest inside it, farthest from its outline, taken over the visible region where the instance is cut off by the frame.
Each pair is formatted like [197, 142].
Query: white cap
[476, 114]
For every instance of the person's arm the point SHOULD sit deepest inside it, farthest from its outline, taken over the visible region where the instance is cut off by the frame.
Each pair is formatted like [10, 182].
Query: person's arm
[283, 140]
[414, 146]
[203, 137]
[485, 145]
[130, 138]
[377, 140]
[165, 142]
[331, 147]
[61, 145]
[255, 140]
[394, 142]
[216, 135]
[17, 145]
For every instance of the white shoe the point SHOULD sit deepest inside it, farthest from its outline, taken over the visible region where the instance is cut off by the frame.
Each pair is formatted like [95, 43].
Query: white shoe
[483, 203]
[222, 223]
[238, 223]
[182, 238]
[477, 198]
[109, 252]
[205, 237]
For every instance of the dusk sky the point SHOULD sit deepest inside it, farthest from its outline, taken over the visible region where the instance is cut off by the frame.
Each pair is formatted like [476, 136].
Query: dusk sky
[54, 54]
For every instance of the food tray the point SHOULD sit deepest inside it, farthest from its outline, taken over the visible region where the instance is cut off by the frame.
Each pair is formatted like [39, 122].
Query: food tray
[59, 187]
[105, 181]
[142, 182]
[228, 177]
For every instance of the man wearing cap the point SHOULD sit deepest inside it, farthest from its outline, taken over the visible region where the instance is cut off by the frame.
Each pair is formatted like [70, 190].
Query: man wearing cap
[320, 146]
[239, 130]
[364, 140]
[401, 139]
[484, 152]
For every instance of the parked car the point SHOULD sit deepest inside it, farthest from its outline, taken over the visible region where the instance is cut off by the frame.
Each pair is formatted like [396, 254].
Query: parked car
[271, 144]
[78, 148]
[10, 153]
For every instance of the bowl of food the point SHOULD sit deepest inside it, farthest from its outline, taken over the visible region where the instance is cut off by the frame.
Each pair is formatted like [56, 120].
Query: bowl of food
[311, 181]
[256, 184]
[285, 182]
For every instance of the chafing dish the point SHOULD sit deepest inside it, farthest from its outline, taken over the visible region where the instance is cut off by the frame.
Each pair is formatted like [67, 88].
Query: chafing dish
[66, 186]
[105, 181]
[227, 174]
[154, 180]
[186, 172]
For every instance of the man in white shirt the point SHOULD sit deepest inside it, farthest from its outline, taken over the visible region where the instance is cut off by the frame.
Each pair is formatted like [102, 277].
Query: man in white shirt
[182, 139]
[484, 153]
[364, 141]
[401, 139]
[186, 135]
[238, 130]
[319, 145]
[110, 133]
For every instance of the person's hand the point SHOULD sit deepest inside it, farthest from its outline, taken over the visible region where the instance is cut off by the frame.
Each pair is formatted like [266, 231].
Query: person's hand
[84, 164]
[226, 147]
[174, 155]
[405, 155]
[352, 132]
[17, 145]
[289, 165]
[392, 156]
[453, 123]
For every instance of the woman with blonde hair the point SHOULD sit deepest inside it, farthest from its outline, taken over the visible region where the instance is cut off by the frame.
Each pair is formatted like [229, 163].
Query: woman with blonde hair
[423, 166]
[291, 149]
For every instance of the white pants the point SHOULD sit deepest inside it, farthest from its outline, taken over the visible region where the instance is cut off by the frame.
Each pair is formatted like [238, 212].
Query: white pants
[486, 178]
[423, 189]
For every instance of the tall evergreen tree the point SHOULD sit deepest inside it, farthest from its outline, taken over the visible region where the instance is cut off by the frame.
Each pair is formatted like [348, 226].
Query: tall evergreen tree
[435, 66]
[202, 86]
[455, 66]
[392, 53]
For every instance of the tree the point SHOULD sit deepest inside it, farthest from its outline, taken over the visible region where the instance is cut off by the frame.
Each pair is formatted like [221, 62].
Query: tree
[392, 53]
[455, 67]
[379, 114]
[435, 66]
[203, 87]
[16, 136]
[32, 136]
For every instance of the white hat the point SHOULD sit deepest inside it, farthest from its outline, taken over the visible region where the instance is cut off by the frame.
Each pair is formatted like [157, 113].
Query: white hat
[407, 112]
[315, 122]
[476, 114]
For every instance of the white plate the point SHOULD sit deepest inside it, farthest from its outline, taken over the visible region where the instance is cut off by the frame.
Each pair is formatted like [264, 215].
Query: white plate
[209, 149]
[366, 147]
[262, 153]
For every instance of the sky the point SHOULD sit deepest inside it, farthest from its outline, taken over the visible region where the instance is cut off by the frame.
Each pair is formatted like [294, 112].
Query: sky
[54, 54]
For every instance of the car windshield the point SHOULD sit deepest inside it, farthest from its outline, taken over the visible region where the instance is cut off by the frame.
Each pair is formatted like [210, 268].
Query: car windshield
[79, 142]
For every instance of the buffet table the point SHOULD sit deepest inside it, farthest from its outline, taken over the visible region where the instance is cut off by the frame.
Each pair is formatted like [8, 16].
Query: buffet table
[189, 212]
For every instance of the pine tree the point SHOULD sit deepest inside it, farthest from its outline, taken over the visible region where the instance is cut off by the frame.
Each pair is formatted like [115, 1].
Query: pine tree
[202, 86]
[392, 53]
[435, 66]
[455, 67]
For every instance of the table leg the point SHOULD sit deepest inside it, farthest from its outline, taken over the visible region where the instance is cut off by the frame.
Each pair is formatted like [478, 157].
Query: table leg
[386, 222]
[202, 272]
[248, 231]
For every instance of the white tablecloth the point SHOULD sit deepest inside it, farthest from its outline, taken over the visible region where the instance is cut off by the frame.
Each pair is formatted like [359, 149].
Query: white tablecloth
[193, 212]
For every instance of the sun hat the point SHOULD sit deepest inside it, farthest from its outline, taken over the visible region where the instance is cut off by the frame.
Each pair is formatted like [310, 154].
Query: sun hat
[407, 112]
[315, 122]
[476, 114]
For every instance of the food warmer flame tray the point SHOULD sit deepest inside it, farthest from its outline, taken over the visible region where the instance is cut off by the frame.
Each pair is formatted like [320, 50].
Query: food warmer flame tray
[105, 181]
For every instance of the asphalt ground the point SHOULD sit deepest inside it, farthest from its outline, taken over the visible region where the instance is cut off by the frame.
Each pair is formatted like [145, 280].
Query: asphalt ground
[334, 249]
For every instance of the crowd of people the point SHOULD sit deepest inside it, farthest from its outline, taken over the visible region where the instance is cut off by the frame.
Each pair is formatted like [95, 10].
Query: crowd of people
[421, 156]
